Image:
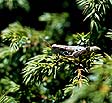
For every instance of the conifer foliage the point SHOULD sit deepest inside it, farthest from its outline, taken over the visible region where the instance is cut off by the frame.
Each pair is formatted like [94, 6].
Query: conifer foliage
[34, 69]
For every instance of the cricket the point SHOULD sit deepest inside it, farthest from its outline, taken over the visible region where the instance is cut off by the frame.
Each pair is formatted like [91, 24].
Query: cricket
[73, 51]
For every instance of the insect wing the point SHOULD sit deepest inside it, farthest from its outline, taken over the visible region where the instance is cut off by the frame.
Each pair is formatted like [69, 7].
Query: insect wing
[71, 51]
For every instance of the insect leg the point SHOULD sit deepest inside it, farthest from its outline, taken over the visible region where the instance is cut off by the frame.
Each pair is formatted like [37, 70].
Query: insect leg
[78, 53]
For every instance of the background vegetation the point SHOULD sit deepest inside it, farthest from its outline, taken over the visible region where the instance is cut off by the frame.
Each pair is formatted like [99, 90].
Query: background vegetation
[30, 72]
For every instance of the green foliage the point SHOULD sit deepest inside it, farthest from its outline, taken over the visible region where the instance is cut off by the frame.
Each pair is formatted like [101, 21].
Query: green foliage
[78, 39]
[21, 37]
[10, 87]
[109, 34]
[95, 11]
[48, 67]
[31, 72]
[11, 4]
[56, 23]
[21, 43]
[99, 89]
[7, 99]
[4, 52]
[17, 35]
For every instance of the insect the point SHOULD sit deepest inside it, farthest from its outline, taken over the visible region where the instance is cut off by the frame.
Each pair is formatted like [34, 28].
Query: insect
[73, 51]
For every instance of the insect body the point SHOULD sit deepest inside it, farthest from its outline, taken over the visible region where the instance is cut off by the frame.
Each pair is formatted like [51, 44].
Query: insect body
[73, 51]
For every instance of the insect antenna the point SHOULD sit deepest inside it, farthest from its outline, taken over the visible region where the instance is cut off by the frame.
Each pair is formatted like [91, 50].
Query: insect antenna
[45, 42]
